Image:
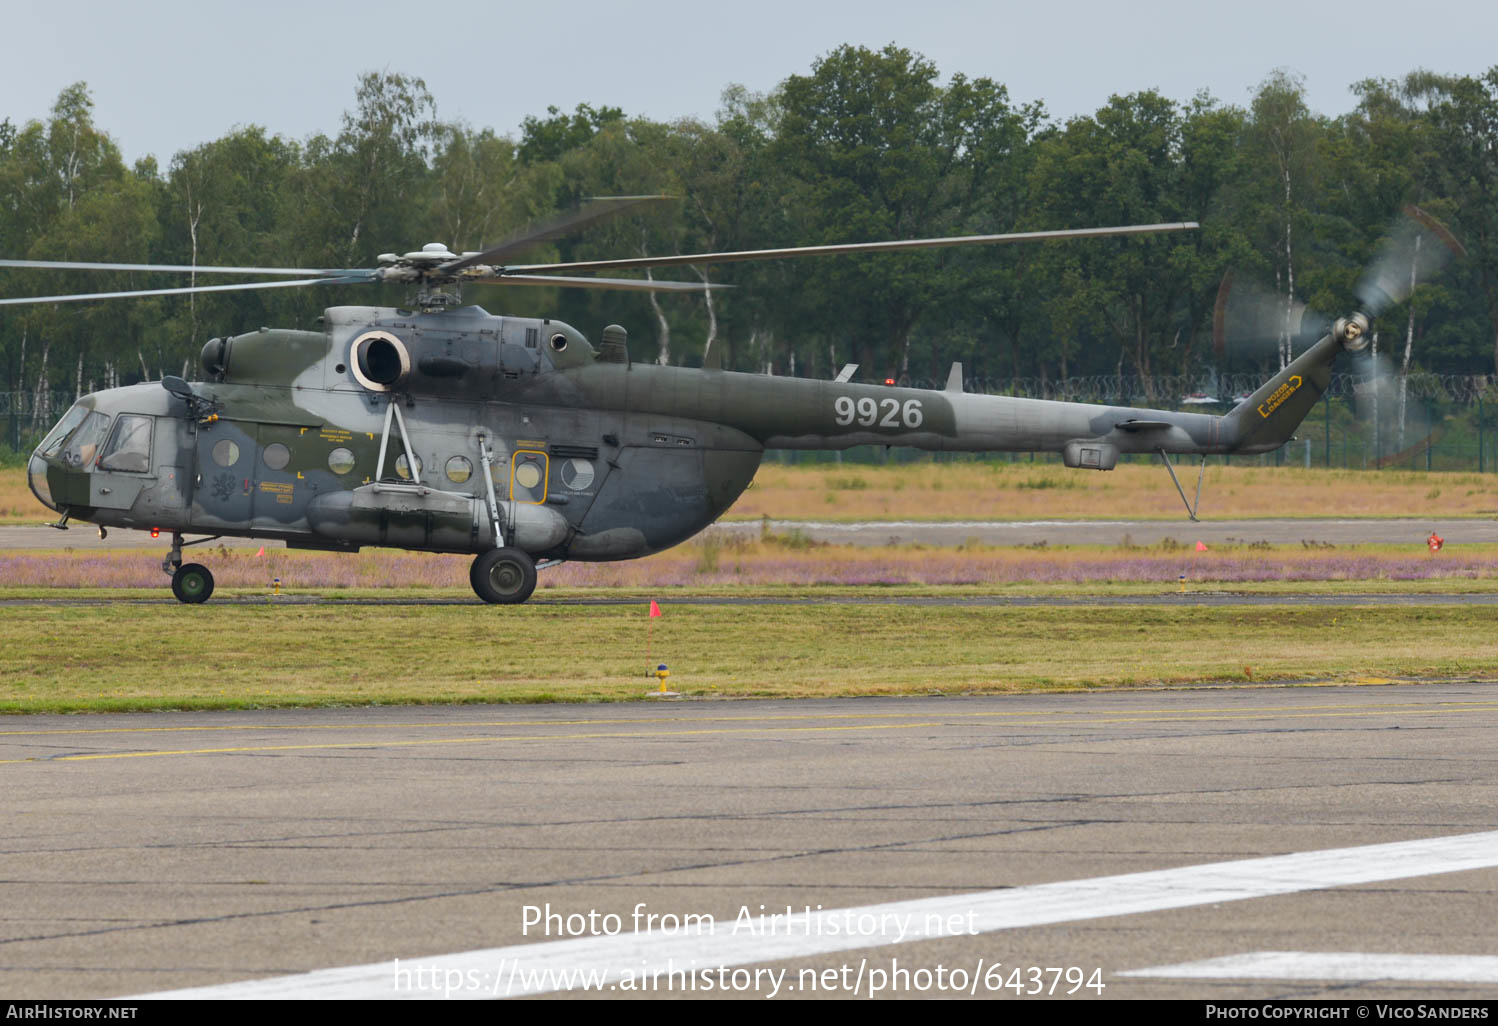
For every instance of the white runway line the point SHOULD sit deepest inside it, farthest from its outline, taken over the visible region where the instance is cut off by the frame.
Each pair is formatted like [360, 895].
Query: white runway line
[543, 967]
[1332, 965]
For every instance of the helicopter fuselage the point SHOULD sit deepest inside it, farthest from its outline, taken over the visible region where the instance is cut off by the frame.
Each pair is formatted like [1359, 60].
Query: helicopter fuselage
[448, 429]
[311, 437]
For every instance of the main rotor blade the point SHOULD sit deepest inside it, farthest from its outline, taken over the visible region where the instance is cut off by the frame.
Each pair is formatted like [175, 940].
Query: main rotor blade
[63, 265]
[1417, 248]
[858, 247]
[596, 210]
[182, 291]
[616, 284]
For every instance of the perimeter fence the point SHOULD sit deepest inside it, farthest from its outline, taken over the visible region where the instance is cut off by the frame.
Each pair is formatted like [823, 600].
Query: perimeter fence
[1449, 421]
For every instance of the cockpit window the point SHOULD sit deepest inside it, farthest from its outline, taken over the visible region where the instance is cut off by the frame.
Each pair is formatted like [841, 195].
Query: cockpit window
[70, 420]
[129, 447]
[83, 446]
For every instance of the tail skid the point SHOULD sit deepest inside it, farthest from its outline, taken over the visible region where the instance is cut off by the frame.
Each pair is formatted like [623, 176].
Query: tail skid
[1267, 419]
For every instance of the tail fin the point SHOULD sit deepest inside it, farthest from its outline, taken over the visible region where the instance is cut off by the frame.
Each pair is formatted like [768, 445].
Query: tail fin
[1267, 419]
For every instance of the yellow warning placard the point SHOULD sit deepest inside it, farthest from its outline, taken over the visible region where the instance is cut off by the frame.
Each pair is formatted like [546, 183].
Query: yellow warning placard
[1280, 394]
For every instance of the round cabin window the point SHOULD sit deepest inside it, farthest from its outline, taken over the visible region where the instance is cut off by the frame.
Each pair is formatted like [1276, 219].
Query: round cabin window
[403, 469]
[225, 453]
[340, 461]
[459, 469]
[277, 456]
[528, 475]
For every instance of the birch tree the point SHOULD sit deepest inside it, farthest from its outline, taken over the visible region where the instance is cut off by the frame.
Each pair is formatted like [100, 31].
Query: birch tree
[1285, 134]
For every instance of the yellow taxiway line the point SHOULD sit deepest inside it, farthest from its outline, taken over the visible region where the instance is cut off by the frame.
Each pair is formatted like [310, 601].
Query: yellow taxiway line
[776, 725]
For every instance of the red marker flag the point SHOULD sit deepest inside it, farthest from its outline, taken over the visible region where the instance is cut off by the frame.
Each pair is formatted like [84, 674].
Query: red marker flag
[1201, 546]
[261, 552]
[655, 610]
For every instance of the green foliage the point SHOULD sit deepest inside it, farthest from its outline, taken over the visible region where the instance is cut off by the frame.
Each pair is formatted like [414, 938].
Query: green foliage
[872, 146]
[867, 145]
[549, 138]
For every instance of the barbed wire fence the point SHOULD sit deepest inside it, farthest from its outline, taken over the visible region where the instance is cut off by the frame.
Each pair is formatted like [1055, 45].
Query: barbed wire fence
[29, 404]
[24, 416]
[1168, 391]
[1447, 425]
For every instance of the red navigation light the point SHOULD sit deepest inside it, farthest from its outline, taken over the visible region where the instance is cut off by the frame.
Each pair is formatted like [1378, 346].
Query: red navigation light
[155, 532]
[889, 381]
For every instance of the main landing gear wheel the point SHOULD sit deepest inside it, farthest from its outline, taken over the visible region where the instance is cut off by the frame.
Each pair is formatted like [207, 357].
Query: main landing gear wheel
[192, 583]
[506, 576]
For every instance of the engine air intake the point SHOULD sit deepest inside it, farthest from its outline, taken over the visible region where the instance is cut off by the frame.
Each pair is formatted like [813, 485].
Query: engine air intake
[380, 361]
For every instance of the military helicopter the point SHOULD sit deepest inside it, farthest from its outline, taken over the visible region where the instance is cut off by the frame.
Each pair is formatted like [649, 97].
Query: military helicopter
[443, 428]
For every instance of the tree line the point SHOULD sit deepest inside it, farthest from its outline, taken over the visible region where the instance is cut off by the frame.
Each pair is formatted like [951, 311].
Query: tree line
[868, 145]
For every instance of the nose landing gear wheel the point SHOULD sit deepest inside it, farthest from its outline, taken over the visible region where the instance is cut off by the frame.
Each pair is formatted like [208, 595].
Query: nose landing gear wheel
[192, 583]
[503, 576]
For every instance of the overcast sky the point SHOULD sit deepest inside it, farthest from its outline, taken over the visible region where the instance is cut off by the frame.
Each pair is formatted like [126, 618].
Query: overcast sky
[167, 75]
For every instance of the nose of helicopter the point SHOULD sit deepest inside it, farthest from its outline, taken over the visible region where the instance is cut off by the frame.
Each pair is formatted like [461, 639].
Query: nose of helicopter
[36, 476]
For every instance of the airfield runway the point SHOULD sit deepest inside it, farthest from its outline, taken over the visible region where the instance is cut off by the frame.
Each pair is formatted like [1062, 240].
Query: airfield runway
[1288, 531]
[1128, 832]
[1165, 598]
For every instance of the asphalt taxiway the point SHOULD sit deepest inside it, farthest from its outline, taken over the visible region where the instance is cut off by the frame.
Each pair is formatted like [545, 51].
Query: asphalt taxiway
[1182, 531]
[1285, 531]
[147, 853]
[1165, 598]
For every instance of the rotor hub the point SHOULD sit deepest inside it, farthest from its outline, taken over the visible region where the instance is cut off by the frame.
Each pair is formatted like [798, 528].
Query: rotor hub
[1352, 332]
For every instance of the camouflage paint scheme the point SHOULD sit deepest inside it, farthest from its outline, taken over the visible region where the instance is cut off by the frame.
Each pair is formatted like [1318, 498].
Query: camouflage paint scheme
[595, 458]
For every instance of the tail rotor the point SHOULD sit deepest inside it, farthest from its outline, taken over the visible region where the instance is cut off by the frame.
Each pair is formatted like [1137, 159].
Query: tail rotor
[1251, 319]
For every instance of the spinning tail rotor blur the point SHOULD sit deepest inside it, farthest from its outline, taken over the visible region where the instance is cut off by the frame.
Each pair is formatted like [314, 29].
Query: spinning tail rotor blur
[1252, 320]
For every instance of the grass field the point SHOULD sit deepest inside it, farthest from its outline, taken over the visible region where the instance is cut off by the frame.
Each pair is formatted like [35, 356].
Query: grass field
[131, 655]
[114, 657]
[776, 563]
[17, 504]
[121, 653]
[1025, 491]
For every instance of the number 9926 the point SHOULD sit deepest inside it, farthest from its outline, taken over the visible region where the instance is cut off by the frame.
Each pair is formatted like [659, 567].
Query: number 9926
[871, 412]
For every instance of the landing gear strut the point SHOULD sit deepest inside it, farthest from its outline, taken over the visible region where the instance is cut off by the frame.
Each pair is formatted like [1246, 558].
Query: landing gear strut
[503, 576]
[191, 582]
[1191, 507]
